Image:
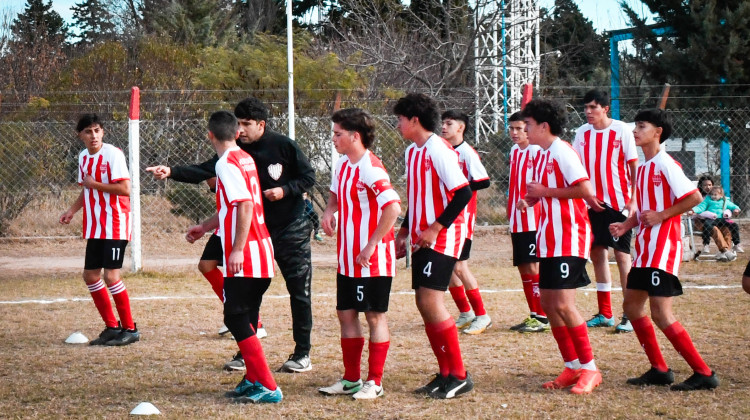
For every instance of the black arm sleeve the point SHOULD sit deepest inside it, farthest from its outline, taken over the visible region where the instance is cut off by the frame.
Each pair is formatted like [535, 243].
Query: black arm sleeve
[479, 185]
[405, 222]
[460, 199]
[305, 178]
[194, 174]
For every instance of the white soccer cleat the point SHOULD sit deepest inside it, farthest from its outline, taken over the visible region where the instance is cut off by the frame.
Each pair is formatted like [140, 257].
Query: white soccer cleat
[479, 325]
[464, 319]
[342, 387]
[369, 391]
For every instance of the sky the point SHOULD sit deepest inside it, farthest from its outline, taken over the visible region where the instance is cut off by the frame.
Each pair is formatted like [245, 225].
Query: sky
[604, 14]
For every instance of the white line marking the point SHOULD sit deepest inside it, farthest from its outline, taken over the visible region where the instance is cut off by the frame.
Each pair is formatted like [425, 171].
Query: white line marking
[402, 292]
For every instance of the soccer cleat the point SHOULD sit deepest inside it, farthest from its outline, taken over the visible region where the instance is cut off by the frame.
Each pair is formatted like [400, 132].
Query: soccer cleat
[261, 395]
[588, 380]
[342, 387]
[706, 248]
[478, 325]
[124, 338]
[697, 381]
[296, 364]
[432, 386]
[624, 326]
[653, 377]
[109, 333]
[721, 256]
[737, 249]
[568, 377]
[261, 333]
[237, 363]
[241, 389]
[318, 237]
[535, 326]
[453, 387]
[369, 391]
[522, 324]
[223, 330]
[600, 320]
[464, 319]
[731, 256]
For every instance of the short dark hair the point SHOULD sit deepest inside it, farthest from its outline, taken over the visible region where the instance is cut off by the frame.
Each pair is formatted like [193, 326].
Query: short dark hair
[516, 116]
[546, 111]
[421, 106]
[356, 119]
[598, 96]
[657, 117]
[251, 109]
[454, 114]
[87, 120]
[223, 125]
[705, 177]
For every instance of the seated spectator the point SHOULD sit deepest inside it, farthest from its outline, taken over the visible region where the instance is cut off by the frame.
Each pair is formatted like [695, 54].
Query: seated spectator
[715, 211]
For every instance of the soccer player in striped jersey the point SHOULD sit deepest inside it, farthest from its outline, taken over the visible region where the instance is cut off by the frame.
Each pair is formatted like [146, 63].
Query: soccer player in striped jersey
[563, 241]
[464, 289]
[247, 254]
[105, 199]
[367, 207]
[437, 193]
[663, 193]
[608, 152]
[523, 223]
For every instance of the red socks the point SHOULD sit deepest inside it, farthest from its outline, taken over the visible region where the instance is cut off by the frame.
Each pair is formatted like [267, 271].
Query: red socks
[376, 361]
[475, 298]
[646, 334]
[459, 296]
[604, 298]
[528, 291]
[564, 343]
[216, 278]
[255, 362]
[684, 345]
[443, 338]
[351, 350]
[101, 301]
[537, 296]
[122, 302]
[580, 337]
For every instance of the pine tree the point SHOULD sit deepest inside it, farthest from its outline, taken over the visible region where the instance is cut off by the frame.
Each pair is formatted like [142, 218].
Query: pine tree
[38, 23]
[94, 21]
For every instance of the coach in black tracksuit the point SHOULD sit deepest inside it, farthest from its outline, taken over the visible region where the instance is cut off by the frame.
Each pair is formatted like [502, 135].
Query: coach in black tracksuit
[284, 173]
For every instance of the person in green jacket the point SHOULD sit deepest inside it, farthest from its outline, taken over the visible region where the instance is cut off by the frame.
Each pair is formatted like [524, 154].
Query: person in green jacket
[715, 211]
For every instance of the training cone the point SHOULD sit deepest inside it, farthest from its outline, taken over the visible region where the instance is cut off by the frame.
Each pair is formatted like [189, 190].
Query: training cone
[145, 409]
[77, 338]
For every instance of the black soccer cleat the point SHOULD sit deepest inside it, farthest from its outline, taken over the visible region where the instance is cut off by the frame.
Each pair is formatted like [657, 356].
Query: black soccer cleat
[432, 386]
[453, 387]
[109, 333]
[653, 377]
[697, 381]
[125, 337]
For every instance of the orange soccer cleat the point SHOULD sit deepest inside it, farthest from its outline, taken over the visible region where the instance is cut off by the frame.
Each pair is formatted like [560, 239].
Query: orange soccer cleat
[567, 378]
[589, 380]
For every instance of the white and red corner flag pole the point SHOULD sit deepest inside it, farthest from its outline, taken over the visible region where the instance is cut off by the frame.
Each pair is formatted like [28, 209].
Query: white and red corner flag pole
[528, 94]
[134, 146]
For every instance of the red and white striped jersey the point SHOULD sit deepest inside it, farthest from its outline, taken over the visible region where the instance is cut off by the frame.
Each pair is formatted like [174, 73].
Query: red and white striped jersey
[432, 177]
[606, 154]
[474, 171]
[522, 172]
[564, 228]
[105, 215]
[362, 190]
[660, 183]
[237, 181]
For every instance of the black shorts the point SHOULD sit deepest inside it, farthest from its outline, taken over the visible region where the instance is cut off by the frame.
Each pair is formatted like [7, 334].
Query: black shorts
[244, 294]
[654, 281]
[213, 250]
[363, 294]
[747, 270]
[524, 247]
[431, 269]
[562, 273]
[104, 253]
[465, 251]
[600, 222]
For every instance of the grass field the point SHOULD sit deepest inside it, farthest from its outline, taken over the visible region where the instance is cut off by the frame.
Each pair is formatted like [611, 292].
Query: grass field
[177, 365]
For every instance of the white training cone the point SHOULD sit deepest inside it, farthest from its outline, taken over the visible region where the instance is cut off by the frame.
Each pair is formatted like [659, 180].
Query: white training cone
[77, 338]
[145, 409]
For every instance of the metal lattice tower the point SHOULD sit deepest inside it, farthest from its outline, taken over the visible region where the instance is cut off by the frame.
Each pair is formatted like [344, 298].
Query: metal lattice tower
[506, 54]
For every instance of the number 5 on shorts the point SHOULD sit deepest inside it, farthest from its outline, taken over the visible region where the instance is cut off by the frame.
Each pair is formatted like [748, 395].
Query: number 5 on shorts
[360, 293]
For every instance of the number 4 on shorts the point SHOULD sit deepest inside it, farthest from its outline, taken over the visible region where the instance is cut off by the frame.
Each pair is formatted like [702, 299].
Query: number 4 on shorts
[427, 269]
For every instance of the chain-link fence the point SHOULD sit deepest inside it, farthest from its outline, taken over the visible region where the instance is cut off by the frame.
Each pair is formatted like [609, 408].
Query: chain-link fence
[38, 161]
